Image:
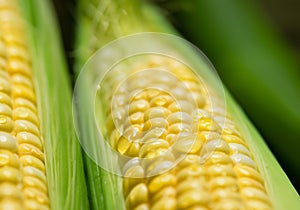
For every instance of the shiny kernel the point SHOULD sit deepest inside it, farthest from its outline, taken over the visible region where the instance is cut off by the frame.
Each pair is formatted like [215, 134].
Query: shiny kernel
[26, 126]
[6, 123]
[179, 128]
[243, 159]
[199, 114]
[189, 185]
[156, 153]
[139, 95]
[28, 149]
[161, 181]
[249, 182]
[133, 150]
[189, 160]
[34, 194]
[226, 193]
[33, 182]
[161, 101]
[156, 123]
[230, 130]
[158, 164]
[34, 172]
[16, 66]
[223, 182]
[23, 113]
[192, 86]
[28, 160]
[5, 99]
[29, 138]
[165, 204]
[210, 135]
[154, 133]
[21, 91]
[138, 106]
[153, 145]
[133, 132]
[19, 52]
[191, 198]
[246, 171]
[192, 171]
[165, 193]
[221, 170]
[10, 190]
[239, 148]
[179, 117]
[218, 158]
[23, 102]
[187, 144]
[182, 72]
[181, 106]
[138, 195]
[8, 158]
[5, 110]
[251, 193]
[151, 93]
[171, 138]
[206, 124]
[156, 112]
[136, 118]
[8, 142]
[123, 145]
[10, 174]
[216, 145]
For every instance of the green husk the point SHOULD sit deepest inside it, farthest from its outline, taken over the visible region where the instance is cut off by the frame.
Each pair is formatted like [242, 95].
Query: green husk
[100, 22]
[63, 158]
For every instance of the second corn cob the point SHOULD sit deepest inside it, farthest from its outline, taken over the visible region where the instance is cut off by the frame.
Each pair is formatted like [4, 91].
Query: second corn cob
[184, 150]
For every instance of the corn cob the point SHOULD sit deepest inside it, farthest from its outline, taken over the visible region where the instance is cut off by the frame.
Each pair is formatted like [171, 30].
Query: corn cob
[158, 123]
[178, 147]
[23, 177]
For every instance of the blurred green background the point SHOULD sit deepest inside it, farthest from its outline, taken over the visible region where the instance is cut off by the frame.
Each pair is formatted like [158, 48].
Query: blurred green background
[283, 17]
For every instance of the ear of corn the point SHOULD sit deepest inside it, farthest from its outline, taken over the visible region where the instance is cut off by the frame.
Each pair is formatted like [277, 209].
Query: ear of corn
[40, 157]
[238, 171]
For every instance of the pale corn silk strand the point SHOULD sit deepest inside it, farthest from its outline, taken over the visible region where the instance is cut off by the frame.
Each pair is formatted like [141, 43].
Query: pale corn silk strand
[22, 176]
[226, 178]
